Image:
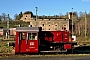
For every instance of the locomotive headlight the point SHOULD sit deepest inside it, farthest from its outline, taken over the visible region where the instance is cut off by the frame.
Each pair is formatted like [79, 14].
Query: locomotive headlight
[51, 46]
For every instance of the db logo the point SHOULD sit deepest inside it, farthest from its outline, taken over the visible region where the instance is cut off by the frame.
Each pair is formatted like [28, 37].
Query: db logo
[31, 43]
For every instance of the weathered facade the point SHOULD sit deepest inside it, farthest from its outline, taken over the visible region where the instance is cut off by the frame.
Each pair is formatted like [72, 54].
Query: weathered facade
[49, 24]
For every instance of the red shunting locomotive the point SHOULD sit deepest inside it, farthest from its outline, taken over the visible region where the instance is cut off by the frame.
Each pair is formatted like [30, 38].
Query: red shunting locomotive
[34, 40]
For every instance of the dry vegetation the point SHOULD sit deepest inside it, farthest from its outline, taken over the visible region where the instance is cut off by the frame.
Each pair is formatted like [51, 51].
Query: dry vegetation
[4, 48]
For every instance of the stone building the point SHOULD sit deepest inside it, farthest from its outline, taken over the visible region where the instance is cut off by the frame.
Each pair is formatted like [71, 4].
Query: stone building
[49, 23]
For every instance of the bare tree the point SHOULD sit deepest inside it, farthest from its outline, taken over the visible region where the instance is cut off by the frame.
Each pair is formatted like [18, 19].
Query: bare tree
[16, 16]
[81, 14]
[3, 16]
[0, 18]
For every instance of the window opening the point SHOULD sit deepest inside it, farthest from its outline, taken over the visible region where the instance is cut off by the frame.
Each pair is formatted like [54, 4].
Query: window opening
[55, 25]
[22, 35]
[49, 19]
[30, 25]
[42, 24]
[64, 28]
[35, 19]
[64, 25]
[25, 18]
[32, 36]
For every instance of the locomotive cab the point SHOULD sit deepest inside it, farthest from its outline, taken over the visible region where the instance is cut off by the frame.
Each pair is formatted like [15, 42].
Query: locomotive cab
[26, 40]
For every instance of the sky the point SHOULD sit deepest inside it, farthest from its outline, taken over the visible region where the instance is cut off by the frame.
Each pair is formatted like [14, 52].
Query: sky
[45, 7]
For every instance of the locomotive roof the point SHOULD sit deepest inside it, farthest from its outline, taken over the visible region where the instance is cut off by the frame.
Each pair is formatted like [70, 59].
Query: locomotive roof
[27, 29]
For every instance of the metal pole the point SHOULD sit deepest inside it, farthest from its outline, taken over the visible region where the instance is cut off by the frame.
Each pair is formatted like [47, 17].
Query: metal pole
[72, 27]
[36, 16]
[8, 26]
[72, 21]
[85, 25]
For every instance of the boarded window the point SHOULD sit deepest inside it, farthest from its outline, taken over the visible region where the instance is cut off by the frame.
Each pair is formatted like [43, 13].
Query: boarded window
[55, 28]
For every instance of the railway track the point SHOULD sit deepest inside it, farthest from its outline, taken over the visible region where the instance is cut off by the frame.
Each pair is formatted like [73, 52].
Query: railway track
[30, 55]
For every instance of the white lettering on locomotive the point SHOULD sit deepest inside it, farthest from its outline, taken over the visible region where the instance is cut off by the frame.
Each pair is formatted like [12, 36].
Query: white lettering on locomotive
[31, 43]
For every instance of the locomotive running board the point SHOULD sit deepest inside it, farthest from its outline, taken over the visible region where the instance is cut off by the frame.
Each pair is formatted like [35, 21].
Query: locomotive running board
[54, 51]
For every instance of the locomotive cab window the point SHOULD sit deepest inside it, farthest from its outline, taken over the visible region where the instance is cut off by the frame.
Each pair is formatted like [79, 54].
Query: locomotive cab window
[22, 35]
[32, 36]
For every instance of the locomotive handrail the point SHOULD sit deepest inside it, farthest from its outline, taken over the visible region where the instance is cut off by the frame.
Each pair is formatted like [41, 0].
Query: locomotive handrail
[26, 38]
[18, 40]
